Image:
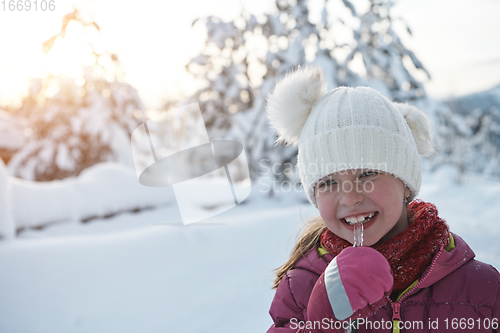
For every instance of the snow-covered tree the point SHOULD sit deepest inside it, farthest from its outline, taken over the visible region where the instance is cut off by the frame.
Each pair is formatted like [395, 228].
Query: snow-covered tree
[468, 133]
[243, 59]
[81, 119]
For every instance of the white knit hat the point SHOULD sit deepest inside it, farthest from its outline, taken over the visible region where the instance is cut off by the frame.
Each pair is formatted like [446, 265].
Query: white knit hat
[348, 128]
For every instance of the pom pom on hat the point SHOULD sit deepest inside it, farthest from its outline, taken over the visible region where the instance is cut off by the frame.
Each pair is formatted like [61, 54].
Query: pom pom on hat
[289, 106]
[420, 126]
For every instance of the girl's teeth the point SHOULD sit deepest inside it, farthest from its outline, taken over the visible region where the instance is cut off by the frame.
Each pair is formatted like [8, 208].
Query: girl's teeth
[356, 219]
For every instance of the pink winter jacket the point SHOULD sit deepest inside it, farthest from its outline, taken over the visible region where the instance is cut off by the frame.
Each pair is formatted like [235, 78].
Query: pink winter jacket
[455, 293]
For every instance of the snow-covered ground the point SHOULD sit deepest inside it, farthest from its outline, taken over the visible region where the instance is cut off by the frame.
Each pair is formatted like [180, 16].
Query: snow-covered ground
[147, 272]
[13, 131]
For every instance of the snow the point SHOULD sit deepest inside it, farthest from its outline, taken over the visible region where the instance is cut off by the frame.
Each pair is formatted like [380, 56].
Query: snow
[13, 131]
[483, 100]
[147, 272]
[470, 209]
[6, 221]
[100, 190]
[135, 266]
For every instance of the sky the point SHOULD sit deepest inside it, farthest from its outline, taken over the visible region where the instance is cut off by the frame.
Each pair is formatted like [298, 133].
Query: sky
[456, 40]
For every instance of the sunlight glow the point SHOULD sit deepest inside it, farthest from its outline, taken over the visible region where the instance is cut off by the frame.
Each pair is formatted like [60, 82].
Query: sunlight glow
[69, 53]
[153, 45]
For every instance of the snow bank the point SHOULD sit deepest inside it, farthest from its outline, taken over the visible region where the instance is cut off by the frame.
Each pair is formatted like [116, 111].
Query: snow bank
[101, 190]
[470, 208]
[13, 131]
[6, 224]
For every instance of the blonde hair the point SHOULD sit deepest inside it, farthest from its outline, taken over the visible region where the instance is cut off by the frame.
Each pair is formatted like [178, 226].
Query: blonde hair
[309, 237]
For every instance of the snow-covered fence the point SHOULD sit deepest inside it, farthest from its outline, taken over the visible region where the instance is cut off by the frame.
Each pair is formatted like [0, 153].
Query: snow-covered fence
[7, 228]
[101, 190]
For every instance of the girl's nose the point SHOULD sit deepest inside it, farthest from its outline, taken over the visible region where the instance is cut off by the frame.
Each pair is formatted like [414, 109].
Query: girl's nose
[350, 196]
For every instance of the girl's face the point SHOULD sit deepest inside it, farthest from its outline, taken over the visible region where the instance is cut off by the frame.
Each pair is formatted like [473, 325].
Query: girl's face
[375, 196]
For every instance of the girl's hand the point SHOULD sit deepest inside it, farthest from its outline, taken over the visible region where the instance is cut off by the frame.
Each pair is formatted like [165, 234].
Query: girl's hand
[355, 284]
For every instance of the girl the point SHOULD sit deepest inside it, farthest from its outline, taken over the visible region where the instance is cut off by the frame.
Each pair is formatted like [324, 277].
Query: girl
[359, 163]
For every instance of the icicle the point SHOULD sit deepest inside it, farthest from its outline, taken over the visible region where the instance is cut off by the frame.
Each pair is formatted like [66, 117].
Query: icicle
[358, 234]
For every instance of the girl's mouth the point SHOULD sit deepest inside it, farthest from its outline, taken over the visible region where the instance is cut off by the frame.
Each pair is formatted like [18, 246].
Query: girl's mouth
[352, 220]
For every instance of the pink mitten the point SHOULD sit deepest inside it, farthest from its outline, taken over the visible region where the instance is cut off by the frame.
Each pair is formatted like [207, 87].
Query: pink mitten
[355, 284]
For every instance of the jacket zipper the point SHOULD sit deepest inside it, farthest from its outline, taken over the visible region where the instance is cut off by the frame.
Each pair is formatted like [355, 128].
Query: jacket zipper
[396, 306]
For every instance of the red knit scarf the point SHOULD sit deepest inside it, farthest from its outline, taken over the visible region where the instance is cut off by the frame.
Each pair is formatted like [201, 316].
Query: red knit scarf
[410, 251]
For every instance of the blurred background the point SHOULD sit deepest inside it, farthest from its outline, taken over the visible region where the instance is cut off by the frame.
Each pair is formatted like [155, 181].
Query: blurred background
[65, 73]
[84, 247]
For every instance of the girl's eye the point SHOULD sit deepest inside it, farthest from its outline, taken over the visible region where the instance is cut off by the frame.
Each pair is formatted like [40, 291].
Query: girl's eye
[328, 182]
[369, 173]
